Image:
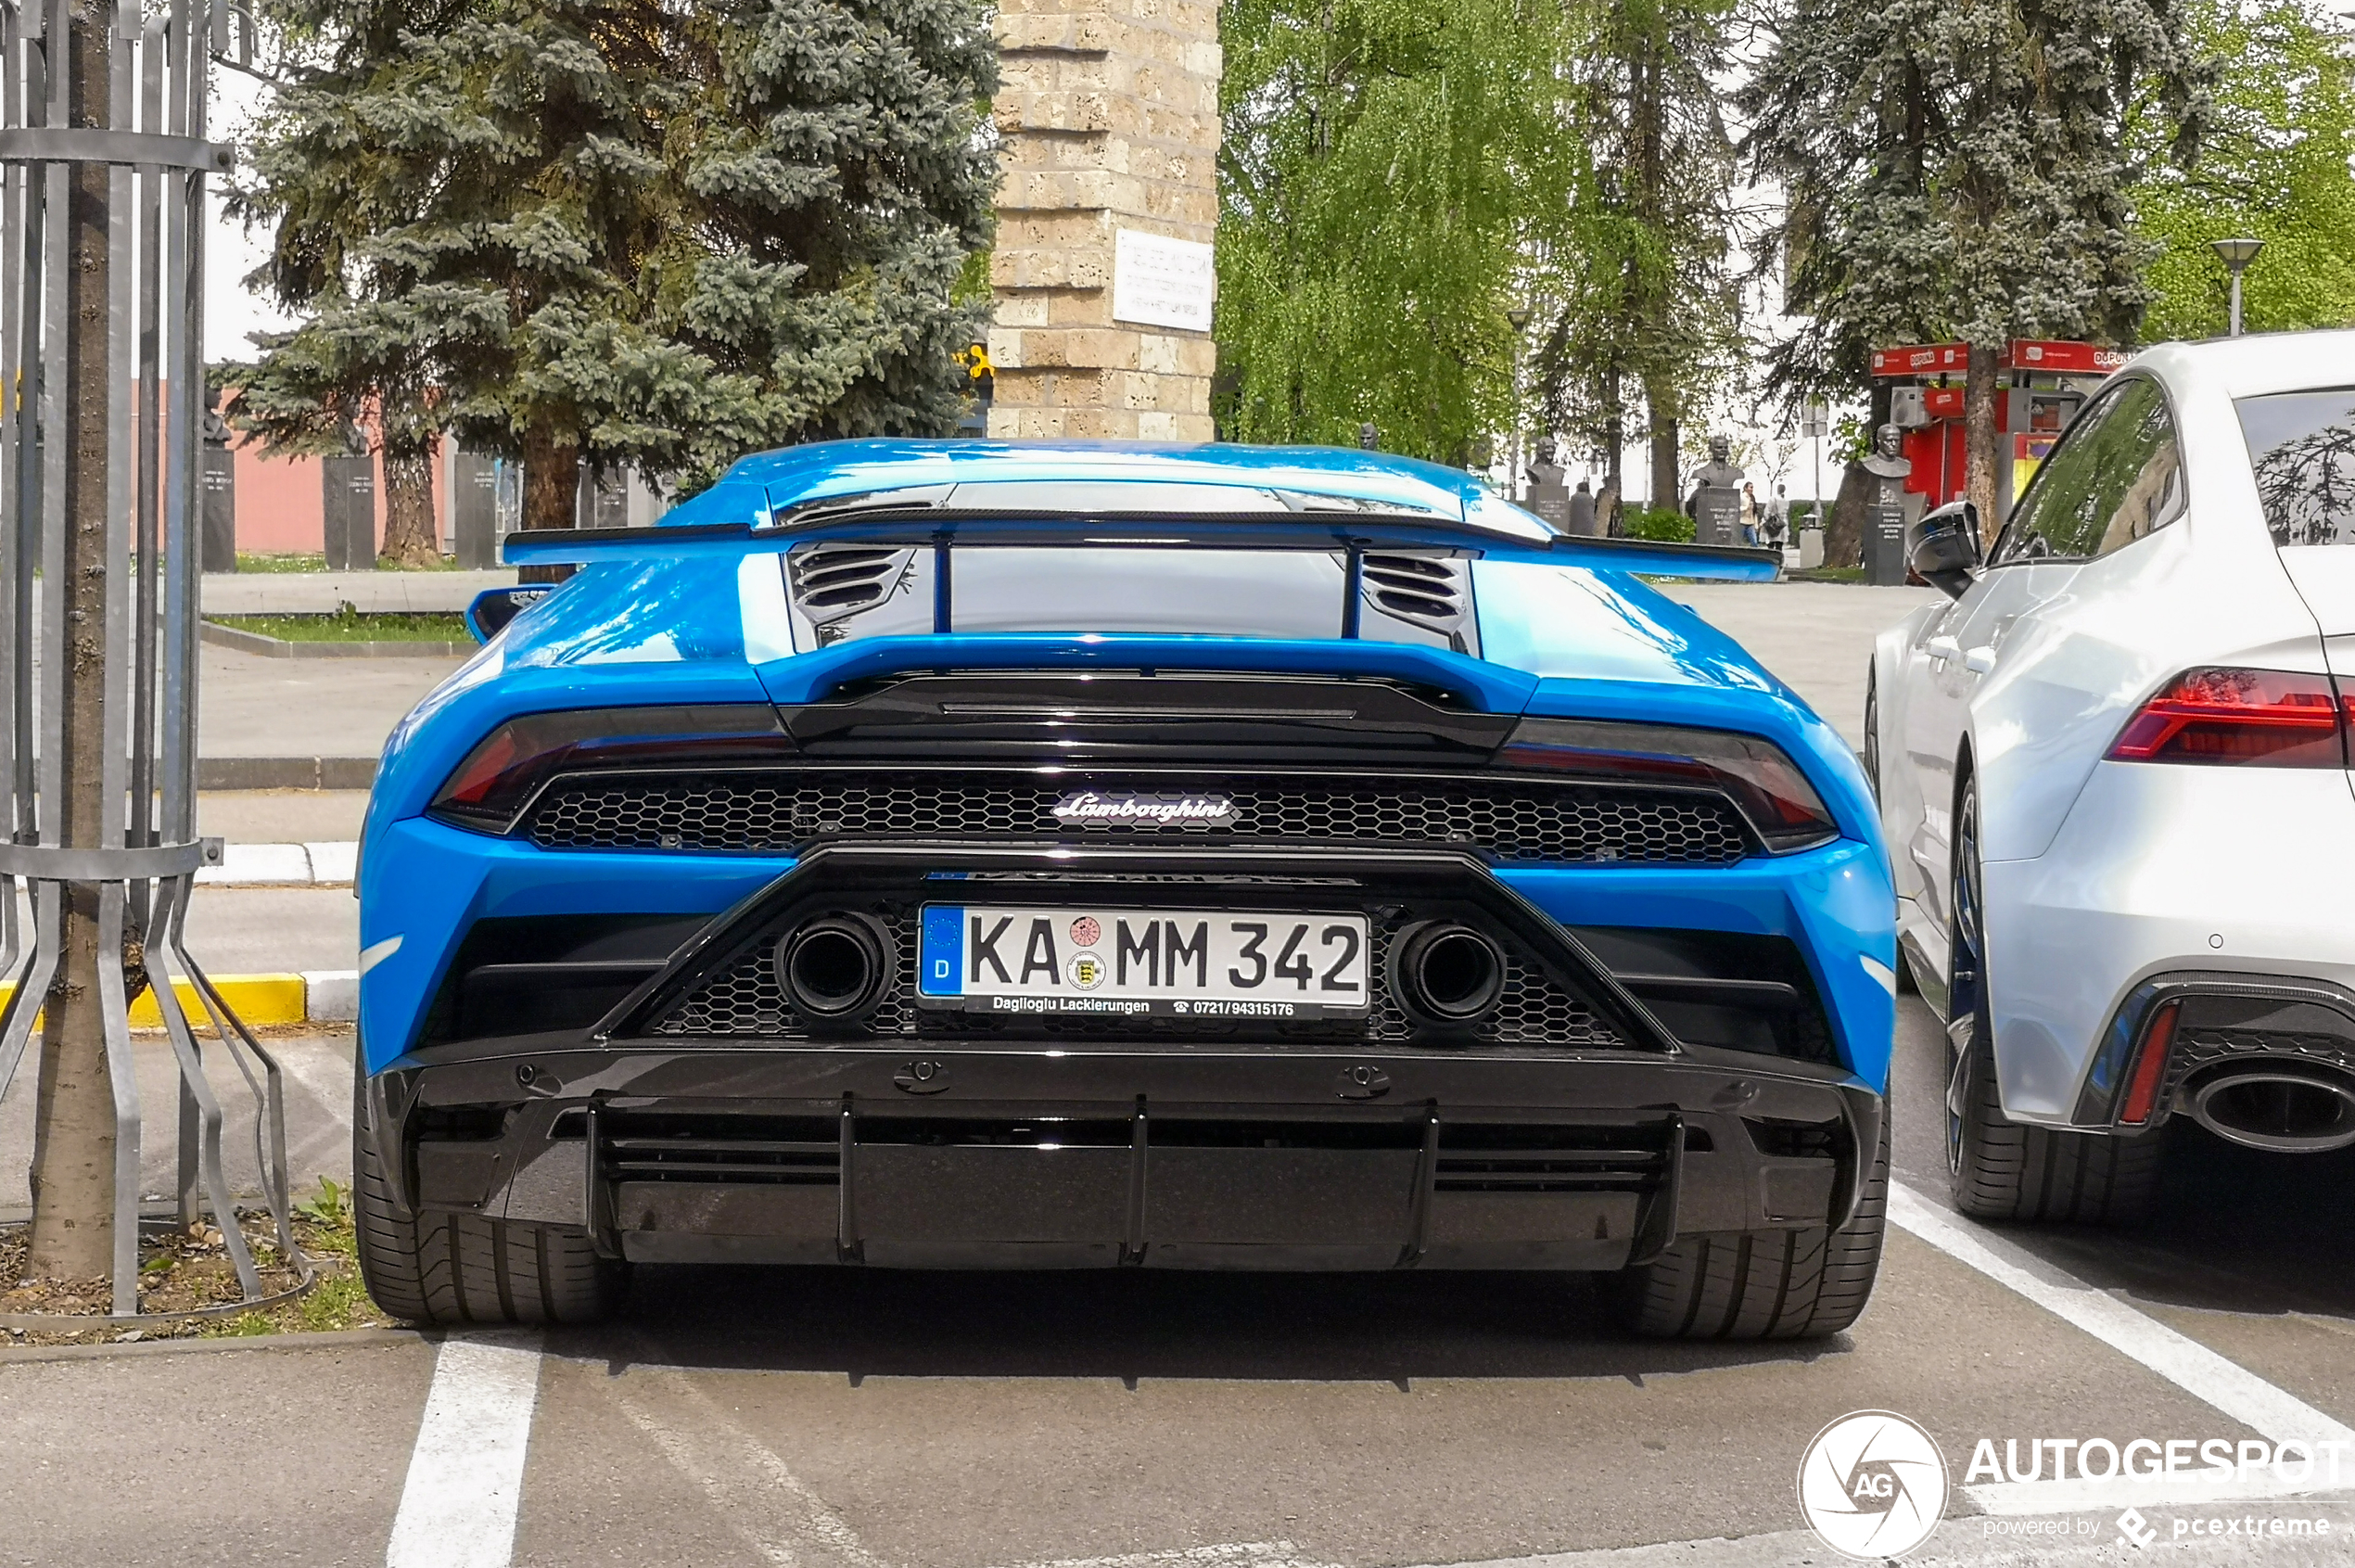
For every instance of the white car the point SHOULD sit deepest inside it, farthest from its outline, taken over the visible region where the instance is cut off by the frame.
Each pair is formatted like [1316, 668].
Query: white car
[2114, 775]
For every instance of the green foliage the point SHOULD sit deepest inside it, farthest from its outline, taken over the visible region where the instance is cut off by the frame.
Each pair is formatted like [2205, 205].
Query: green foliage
[1385, 172]
[1640, 293]
[327, 1207]
[1664, 523]
[631, 230]
[325, 1230]
[1961, 169]
[2277, 164]
[355, 627]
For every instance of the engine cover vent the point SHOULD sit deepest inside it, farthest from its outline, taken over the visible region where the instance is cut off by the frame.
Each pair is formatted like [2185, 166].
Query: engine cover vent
[1427, 591]
[831, 581]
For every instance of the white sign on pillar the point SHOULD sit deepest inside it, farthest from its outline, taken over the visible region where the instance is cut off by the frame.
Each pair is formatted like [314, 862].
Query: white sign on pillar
[1157, 281]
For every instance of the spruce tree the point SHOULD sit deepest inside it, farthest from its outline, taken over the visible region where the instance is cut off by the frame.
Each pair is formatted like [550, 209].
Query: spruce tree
[1646, 301]
[1961, 169]
[628, 231]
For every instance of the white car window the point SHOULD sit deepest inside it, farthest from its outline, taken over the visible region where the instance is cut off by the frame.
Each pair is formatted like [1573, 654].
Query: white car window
[2117, 477]
[2302, 447]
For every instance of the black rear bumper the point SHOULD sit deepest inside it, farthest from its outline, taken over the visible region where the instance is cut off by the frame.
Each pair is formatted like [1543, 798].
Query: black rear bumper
[1041, 1156]
[1571, 1129]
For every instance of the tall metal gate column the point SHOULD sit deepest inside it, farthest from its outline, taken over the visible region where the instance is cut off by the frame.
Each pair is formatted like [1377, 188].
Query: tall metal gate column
[142, 867]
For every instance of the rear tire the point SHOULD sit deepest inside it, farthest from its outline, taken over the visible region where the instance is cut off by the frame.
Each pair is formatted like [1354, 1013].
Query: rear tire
[464, 1269]
[2003, 1170]
[1998, 1168]
[1763, 1284]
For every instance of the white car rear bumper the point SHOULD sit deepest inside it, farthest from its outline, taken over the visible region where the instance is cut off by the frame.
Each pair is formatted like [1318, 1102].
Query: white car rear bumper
[2161, 868]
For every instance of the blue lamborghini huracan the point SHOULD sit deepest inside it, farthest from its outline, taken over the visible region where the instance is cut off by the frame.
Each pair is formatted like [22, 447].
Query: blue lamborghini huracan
[970, 854]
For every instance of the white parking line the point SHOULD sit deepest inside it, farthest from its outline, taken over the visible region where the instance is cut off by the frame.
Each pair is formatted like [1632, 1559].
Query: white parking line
[749, 1487]
[1959, 1543]
[2230, 1387]
[466, 1474]
[1225, 1554]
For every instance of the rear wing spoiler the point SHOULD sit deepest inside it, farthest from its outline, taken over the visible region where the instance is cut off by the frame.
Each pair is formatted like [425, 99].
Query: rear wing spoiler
[1353, 535]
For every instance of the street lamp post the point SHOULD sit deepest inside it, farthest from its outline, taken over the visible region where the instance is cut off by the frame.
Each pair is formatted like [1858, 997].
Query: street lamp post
[1519, 317]
[2236, 254]
[1814, 419]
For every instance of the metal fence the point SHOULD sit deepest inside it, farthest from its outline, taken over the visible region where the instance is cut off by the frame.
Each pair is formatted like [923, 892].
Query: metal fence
[139, 858]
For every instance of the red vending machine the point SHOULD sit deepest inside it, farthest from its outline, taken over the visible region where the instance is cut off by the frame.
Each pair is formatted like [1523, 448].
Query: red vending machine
[2039, 386]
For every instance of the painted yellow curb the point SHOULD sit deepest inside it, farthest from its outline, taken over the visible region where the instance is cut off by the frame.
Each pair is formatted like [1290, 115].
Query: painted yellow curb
[257, 998]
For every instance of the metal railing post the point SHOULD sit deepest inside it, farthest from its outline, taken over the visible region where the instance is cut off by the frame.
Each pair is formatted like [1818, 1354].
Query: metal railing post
[140, 871]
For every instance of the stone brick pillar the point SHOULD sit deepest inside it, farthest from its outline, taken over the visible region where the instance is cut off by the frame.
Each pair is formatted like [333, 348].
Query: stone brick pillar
[1109, 111]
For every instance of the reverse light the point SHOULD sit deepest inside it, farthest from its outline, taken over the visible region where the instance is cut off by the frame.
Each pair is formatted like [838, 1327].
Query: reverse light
[2241, 718]
[1759, 778]
[2150, 1068]
[500, 776]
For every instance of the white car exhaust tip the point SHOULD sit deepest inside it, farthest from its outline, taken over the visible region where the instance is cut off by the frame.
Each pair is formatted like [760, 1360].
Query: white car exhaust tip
[2297, 1111]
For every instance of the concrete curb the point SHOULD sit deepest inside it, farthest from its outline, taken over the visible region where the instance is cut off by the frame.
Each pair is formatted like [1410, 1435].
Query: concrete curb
[279, 648]
[334, 1339]
[315, 996]
[320, 863]
[286, 772]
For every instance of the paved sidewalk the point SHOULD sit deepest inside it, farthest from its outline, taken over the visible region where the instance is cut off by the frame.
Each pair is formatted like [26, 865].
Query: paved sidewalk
[252, 707]
[324, 592]
[1816, 636]
[281, 816]
[317, 1085]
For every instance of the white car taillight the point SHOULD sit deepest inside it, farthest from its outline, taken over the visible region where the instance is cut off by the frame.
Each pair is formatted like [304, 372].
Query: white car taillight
[2241, 718]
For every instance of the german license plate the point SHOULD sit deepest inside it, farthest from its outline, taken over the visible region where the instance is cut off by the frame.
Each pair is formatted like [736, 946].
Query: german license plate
[1185, 964]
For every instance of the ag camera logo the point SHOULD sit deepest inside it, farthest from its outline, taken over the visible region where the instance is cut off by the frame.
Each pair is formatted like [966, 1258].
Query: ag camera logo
[1873, 1484]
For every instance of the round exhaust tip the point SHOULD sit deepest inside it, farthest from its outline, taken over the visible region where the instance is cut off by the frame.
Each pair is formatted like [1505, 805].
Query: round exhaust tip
[831, 966]
[2284, 1110]
[1449, 974]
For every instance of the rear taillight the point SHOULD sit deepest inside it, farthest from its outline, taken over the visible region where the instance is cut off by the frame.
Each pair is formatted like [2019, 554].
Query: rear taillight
[2241, 718]
[2150, 1068]
[500, 776]
[1762, 782]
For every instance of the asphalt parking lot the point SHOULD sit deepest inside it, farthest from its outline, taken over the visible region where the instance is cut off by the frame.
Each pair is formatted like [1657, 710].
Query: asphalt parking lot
[1142, 1419]
[872, 1419]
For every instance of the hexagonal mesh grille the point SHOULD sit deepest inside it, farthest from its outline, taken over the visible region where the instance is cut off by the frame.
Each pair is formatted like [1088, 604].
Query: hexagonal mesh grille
[744, 999]
[2195, 1049]
[1509, 821]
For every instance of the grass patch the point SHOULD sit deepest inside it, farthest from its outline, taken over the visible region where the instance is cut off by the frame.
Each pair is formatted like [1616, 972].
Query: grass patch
[349, 625]
[1828, 574]
[323, 1229]
[182, 1271]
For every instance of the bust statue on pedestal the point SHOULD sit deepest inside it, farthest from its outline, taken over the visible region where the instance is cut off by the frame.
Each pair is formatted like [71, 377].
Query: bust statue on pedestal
[1888, 464]
[1716, 502]
[1545, 468]
[1885, 514]
[1547, 497]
